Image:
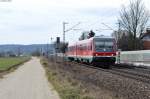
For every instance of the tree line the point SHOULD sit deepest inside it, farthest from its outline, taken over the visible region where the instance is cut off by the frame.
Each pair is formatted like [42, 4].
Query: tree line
[132, 23]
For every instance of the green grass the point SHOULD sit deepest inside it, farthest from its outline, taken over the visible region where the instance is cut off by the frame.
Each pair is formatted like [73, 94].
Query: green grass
[8, 62]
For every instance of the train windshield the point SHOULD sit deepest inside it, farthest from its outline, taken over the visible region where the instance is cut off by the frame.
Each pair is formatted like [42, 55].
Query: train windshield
[104, 45]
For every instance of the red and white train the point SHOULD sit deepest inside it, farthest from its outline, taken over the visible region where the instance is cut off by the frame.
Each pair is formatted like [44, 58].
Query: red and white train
[95, 50]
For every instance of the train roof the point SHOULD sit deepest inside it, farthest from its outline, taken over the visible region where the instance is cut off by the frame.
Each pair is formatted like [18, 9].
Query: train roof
[90, 39]
[104, 37]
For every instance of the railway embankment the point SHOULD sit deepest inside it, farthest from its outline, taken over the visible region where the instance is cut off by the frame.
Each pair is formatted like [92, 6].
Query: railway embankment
[98, 83]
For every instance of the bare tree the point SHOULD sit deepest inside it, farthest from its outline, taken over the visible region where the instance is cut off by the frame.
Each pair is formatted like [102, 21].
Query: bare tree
[133, 19]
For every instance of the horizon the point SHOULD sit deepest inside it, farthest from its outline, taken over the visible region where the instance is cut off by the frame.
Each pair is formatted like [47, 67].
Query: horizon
[27, 44]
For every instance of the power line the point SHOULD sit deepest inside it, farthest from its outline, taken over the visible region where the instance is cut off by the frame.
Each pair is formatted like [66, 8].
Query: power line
[108, 26]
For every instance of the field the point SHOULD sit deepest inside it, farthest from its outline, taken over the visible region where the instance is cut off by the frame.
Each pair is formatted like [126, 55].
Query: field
[8, 62]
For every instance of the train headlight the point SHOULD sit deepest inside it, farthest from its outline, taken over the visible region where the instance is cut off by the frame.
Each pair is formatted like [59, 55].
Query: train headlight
[96, 54]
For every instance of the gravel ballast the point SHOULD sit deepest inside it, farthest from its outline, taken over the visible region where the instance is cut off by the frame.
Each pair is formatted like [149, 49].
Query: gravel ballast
[117, 86]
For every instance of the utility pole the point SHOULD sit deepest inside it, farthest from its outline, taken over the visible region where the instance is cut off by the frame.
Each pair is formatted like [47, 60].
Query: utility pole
[64, 30]
[119, 30]
[64, 23]
[118, 34]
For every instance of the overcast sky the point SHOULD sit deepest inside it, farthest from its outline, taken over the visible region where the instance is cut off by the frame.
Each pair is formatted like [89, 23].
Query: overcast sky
[36, 21]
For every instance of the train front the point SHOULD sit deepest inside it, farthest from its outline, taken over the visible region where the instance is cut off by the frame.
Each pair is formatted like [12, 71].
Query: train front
[104, 50]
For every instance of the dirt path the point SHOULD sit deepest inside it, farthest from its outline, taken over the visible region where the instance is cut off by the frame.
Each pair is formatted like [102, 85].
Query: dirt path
[27, 82]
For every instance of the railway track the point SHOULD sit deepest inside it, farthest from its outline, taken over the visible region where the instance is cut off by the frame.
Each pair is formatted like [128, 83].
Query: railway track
[139, 74]
[131, 74]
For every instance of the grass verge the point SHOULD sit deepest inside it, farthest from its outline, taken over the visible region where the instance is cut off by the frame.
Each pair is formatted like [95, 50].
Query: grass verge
[8, 64]
[67, 88]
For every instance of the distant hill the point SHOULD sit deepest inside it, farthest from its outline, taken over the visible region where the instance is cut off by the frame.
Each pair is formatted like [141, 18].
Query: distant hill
[26, 49]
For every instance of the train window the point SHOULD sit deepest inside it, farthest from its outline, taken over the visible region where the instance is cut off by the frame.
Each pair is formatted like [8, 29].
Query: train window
[71, 48]
[100, 44]
[84, 47]
[90, 47]
[105, 45]
[109, 43]
[80, 47]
